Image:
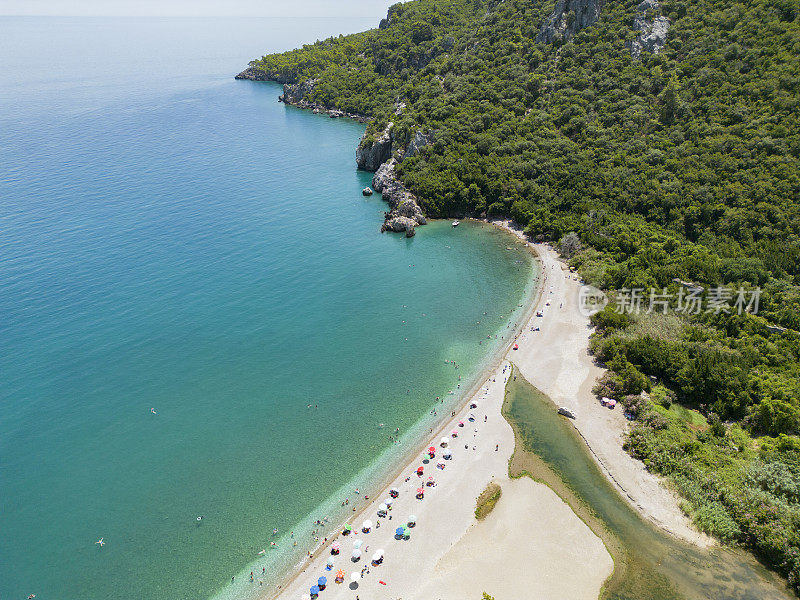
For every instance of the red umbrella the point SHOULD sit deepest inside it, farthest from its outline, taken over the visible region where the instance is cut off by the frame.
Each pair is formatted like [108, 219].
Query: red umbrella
[382, 582]
[419, 470]
[432, 449]
[516, 347]
[420, 491]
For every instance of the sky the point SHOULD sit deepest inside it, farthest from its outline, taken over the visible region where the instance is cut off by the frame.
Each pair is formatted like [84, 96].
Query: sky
[255, 8]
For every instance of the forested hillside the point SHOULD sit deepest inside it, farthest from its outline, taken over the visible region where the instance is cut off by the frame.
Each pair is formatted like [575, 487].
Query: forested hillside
[681, 164]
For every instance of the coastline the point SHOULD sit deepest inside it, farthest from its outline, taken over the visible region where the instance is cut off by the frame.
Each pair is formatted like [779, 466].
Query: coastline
[440, 425]
[575, 369]
[456, 533]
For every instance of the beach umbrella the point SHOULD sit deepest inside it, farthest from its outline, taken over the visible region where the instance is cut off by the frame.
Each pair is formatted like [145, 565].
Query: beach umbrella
[335, 546]
[388, 501]
[379, 552]
[454, 433]
[420, 470]
[444, 441]
[322, 581]
[399, 531]
[461, 423]
[367, 524]
[382, 508]
[412, 520]
[394, 492]
[330, 561]
[314, 591]
[432, 450]
[356, 553]
[340, 574]
[357, 543]
[377, 557]
[354, 576]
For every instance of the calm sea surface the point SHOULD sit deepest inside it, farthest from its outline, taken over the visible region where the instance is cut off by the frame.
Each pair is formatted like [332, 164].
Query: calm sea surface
[185, 266]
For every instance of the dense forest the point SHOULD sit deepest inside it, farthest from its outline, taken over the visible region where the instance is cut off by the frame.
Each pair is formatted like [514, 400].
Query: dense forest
[675, 170]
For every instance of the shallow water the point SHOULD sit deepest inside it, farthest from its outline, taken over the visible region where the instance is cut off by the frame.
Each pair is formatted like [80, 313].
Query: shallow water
[649, 563]
[173, 239]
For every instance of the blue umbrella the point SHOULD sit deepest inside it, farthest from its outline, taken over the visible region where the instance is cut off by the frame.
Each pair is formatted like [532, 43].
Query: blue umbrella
[399, 531]
[315, 591]
[322, 581]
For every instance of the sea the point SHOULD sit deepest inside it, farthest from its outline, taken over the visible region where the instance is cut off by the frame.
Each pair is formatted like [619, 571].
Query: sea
[204, 337]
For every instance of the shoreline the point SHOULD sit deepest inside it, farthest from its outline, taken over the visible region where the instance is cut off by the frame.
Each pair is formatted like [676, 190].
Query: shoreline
[380, 490]
[446, 550]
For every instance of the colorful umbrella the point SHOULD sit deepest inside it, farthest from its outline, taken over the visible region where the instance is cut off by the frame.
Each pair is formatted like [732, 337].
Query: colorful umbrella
[322, 581]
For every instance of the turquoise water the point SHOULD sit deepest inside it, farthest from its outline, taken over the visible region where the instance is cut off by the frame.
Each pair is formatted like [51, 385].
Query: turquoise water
[173, 239]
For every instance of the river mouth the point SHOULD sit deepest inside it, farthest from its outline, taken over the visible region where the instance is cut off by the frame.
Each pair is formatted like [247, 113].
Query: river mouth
[648, 562]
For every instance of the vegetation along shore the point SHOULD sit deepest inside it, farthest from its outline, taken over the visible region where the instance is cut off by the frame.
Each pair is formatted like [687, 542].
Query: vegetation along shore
[658, 145]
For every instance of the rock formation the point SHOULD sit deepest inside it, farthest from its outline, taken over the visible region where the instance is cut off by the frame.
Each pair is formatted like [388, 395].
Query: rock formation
[652, 27]
[418, 142]
[405, 212]
[372, 153]
[568, 18]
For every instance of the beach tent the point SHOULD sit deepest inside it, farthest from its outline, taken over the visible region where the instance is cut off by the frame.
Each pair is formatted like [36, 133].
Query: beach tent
[444, 441]
[354, 576]
[357, 543]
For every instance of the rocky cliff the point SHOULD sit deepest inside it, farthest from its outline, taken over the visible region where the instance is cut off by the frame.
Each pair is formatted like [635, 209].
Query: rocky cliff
[568, 18]
[373, 152]
[652, 27]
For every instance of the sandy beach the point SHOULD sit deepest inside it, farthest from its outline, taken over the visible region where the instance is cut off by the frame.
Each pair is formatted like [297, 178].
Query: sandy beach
[531, 540]
[556, 360]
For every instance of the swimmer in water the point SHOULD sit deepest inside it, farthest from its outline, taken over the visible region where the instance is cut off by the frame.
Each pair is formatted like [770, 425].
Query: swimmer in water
[153, 410]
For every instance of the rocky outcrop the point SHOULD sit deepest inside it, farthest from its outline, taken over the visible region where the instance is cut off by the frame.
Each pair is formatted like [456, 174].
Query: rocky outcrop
[294, 93]
[367, 191]
[254, 74]
[652, 27]
[568, 18]
[405, 212]
[373, 152]
[418, 142]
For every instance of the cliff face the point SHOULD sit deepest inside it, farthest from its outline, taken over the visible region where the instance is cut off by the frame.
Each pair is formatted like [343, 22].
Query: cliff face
[371, 155]
[653, 27]
[568, 18]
